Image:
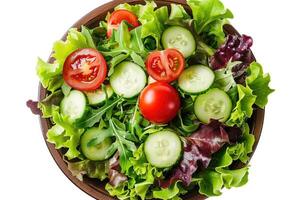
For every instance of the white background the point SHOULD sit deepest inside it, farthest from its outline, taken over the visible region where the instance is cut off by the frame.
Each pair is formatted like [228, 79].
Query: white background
[28, 29]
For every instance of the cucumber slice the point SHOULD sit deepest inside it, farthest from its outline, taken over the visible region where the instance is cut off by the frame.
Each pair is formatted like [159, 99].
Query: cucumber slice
[196, 79]
[98, 96]
[128, 79]
[163, 149]
[179, 38]
[73, 106]
[214, 104]
[95, 145]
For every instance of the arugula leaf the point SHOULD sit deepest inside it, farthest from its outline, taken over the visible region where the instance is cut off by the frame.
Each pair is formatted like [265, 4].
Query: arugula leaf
[115, 61]
[125, 147]
[259, 83]
[134, 123]
[93, 116]
[66, 89]
[137, 59]
[243, 108]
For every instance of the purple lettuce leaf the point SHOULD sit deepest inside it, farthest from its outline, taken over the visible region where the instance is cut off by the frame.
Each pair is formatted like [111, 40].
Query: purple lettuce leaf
[198, 149]
[114, 175]
[236, 48]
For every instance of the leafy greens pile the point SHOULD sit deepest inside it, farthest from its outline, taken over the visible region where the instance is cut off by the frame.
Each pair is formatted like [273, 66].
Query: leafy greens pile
[206, 164]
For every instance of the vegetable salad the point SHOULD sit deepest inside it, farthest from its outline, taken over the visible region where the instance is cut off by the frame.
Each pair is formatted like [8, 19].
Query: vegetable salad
[155, 102]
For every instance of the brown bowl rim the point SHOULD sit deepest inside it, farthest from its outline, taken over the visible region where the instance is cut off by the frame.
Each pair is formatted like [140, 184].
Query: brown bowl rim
[88, 186]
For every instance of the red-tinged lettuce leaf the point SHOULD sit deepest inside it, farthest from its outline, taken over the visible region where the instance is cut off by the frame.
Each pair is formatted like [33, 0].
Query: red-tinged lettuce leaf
[114, 174]
[33, 106]
[210, 138]
[198, 149]
[236, 48]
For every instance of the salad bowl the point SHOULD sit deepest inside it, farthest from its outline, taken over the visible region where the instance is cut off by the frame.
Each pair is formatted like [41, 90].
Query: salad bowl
[93, 187]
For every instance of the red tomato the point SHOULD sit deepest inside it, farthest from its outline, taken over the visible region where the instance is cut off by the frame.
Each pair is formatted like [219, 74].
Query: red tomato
[159, 102]
[117, 17]
[85, 69]
[165, 65]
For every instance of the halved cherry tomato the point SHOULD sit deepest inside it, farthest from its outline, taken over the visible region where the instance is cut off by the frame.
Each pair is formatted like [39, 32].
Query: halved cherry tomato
[159, 102]
[85, 69]
[165, 65]
[117, 17]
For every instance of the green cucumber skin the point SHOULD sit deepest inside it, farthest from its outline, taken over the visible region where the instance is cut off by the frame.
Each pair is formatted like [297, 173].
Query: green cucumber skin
[199, 91]
[201, 116]
[89, 135]
[92, 102]
[186, 40]
[178, 154]
[116, 79]
[63, 104]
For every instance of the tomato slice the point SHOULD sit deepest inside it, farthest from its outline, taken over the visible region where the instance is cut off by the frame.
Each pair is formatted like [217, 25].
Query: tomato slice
[85, 69]
[117, 17]
[165, 65]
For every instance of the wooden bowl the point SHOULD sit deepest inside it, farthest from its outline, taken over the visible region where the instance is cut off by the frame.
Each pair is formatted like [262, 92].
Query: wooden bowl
[94, 187]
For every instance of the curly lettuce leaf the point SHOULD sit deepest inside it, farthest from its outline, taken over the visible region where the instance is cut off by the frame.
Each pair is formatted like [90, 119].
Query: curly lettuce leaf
[49, 75]
[152, 21]
[141, 176]
[75, 40]
[178, 12]
[122, 191]
[224, 78]
[197, 152]
[259, 83]
[243, 108]
[64, 134]
[50, 102]
[241, 150]
[172, 192]
[93, 169]
[219, 174]
[206, 12]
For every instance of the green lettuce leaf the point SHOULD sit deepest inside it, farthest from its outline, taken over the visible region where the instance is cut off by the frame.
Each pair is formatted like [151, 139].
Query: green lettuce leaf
[243, 108]
[50, 102]
[259, 83]
[141, 176]
[64, 134]
[93, 169]
[206, 12]
[172, 192]
[122, 192]
[224, 78]
[209, 17]
[49, 75]
[152, 21]
[241, 150]
[75, 40]
[178, 12]
[219, 174]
